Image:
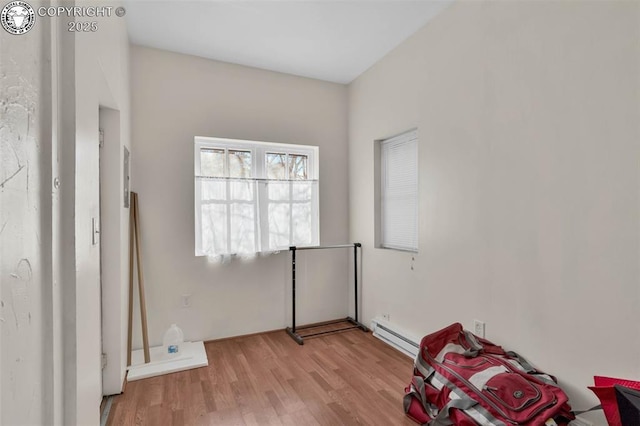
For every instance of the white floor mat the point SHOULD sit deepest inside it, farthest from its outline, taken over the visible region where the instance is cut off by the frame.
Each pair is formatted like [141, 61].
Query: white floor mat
[192, 355]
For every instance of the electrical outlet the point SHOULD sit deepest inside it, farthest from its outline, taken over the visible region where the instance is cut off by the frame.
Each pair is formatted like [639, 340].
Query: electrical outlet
[186, 300]
[478, 328]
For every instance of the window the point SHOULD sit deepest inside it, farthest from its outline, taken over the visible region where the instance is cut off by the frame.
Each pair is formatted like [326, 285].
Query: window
[254, 196]
[399, 192]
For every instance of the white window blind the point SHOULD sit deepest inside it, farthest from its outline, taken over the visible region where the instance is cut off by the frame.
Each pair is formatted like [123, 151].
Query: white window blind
[254, 197]
[399, 192]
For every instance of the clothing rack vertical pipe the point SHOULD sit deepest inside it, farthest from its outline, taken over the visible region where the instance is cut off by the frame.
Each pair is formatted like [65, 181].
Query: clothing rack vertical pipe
[293, 290]
[355, 275]
[293, 330]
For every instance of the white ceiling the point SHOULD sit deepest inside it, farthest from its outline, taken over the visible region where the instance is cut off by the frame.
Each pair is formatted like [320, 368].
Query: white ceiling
[328, 40]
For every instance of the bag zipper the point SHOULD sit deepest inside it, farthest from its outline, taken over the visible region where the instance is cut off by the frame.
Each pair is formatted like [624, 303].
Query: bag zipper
[485, 361]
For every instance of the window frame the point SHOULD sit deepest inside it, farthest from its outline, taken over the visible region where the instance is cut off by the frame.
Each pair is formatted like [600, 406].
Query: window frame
[258, 150]
[410, 136]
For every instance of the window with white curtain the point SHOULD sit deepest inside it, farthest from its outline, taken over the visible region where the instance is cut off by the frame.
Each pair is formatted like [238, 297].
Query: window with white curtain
[253, 197]
[399, 192]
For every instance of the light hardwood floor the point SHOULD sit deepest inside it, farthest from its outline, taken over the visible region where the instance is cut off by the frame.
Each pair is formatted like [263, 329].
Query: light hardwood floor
[347, 378]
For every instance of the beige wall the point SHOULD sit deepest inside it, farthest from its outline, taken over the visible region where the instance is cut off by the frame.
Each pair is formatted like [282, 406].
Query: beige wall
[176, 97]
[527, 117]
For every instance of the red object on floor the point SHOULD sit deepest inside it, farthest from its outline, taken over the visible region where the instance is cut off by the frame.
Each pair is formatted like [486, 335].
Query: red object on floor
[607, 394]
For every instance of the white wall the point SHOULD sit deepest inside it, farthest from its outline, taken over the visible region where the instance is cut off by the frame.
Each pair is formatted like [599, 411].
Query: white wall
[527, 117]
[53, 82]
[101, 79]
[176, 97]
[25, 239]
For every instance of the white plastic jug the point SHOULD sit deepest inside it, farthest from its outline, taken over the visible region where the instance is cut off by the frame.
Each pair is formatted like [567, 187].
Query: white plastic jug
[172, 341]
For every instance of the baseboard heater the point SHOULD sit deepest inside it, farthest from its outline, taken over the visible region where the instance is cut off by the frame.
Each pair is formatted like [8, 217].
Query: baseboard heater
[395, 337]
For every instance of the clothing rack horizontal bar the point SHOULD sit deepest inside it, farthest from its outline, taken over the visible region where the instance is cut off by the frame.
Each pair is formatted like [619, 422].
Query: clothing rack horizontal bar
[322, 324]
[325, 247]
[319, 333]
[355, 325]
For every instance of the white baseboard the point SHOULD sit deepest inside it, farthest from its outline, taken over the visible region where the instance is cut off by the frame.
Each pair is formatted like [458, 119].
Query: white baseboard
[394, 336]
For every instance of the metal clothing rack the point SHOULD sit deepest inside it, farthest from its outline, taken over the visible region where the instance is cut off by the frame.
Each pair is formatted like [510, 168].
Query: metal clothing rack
[355, 323]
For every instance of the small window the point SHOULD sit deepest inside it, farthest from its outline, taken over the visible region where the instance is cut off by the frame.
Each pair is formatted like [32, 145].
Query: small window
[276, 165]
[298, 166]
[212, 162]
[399, 192]
[287, 166]
[239, 164]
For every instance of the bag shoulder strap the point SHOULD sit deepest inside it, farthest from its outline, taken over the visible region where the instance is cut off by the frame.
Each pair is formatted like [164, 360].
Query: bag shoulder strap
[577, 413]
[443, 419]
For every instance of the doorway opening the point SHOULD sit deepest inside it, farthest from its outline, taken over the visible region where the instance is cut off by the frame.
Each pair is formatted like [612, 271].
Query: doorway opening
[114, 213]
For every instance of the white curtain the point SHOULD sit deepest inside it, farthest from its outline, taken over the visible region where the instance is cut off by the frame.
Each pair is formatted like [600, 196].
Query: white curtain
[248, 216]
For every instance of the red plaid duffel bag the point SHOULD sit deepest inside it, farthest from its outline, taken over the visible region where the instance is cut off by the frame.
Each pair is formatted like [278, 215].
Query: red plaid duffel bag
[461, 379]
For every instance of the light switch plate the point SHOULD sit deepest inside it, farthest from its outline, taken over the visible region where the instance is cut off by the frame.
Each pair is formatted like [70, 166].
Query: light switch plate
[95, 231]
